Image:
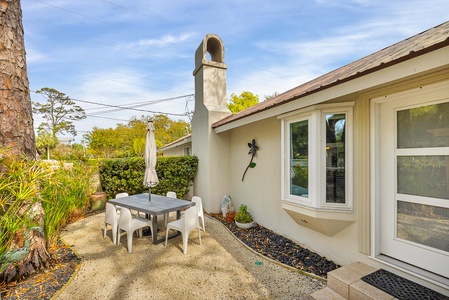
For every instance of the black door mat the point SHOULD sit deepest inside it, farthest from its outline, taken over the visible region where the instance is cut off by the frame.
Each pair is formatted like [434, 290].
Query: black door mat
[401, 288]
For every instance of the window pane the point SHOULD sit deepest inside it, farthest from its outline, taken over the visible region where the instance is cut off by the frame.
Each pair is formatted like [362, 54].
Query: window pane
[423, 176]
[299, 158]
[421, 127]
[423, 224]
[335, 158]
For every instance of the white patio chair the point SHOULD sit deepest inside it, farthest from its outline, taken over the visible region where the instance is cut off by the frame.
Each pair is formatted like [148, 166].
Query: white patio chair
[170, 195]
[111, 218]
[129, 225]
[199, 206]
[122, 195]
[185, 225]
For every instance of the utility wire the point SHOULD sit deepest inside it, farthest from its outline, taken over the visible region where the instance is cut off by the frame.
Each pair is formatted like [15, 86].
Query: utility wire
[102, 22]
[107, 60]
[139, 105]
[135, 109]
[114, 119]
[108, 23]
[133, 11]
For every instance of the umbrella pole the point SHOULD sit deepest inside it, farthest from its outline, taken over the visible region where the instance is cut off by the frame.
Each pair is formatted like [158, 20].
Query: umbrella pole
[149, 194]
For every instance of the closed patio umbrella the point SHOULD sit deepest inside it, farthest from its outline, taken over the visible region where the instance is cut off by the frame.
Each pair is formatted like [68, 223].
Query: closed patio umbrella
[150, 179]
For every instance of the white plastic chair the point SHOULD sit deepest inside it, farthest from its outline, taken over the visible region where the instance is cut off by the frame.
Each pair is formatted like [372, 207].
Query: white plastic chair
[122, 195]
[129, 225]
[111, 218]
[199, 206]
[170, 195]
[185, 225]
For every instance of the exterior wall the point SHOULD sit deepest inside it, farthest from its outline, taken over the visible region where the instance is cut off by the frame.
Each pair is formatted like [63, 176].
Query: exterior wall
[261, 188]
[261, 191]
[361, 173]
[176, 151]
[223, 153]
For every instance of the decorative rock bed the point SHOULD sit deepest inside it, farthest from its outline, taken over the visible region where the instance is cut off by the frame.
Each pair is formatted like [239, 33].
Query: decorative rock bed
[281, 249]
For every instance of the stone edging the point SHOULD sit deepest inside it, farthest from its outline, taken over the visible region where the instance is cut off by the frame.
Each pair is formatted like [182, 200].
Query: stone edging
[270, 259]
[75, 273]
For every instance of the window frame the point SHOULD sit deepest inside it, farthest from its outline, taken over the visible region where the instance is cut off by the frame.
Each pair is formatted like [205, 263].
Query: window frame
[316, 117]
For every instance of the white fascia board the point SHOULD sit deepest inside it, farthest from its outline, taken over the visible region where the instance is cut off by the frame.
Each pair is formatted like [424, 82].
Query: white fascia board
[414, 66]
[180, 143]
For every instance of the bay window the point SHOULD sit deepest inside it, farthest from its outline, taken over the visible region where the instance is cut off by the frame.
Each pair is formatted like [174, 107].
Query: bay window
[317, 157]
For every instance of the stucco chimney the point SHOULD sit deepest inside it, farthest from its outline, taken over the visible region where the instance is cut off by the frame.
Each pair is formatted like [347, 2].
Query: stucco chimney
[212, 180]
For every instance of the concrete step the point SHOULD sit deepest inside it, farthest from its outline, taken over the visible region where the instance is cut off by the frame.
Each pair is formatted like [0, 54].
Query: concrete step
[346, 283]
[326, 294]
[341, 279]
[364, 291]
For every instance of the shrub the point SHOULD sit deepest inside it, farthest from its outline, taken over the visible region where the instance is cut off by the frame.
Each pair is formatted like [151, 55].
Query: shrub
[65, 196]
[126, 175]
[19, 186]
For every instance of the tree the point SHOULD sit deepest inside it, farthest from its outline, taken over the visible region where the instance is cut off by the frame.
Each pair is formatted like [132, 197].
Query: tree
[271, 96]
[167, 130]
[128, 140]
[16, 127]
[242, 102]
[139, 146]
[45, 140]
[64, 152]
[104, 142]
[16, 122]
[59, 111]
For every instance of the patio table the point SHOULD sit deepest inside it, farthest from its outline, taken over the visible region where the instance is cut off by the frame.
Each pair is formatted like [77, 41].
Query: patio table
[159, 205]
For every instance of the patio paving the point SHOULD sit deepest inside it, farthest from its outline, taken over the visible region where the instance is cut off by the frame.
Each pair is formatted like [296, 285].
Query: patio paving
[219, 268]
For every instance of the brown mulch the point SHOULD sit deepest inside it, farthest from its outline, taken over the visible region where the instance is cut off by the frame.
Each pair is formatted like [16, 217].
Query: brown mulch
[43, 285]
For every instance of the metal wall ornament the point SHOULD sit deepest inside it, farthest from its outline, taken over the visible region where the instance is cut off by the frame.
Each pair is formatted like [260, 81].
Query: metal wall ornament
[252, 150]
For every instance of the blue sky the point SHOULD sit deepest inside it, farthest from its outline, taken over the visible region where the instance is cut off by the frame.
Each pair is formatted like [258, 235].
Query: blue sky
[141, 53]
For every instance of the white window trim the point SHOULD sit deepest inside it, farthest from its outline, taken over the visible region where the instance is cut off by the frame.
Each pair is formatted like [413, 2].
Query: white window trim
[317, 177]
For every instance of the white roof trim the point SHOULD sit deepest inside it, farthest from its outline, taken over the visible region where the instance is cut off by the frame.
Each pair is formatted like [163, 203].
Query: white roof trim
[414, 66]
[177, 144]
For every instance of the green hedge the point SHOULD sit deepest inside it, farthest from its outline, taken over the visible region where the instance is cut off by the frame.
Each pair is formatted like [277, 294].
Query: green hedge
[126, 175]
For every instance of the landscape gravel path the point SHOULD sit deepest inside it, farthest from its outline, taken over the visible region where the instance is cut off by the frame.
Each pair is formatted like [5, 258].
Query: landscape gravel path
[220, 268]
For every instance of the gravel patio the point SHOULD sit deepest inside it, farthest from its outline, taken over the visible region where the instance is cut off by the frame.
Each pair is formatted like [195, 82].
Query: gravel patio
[221, 268]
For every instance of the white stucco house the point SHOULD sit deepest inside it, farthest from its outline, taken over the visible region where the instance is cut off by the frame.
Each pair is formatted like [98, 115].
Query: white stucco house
[353, 164]
[182, 146]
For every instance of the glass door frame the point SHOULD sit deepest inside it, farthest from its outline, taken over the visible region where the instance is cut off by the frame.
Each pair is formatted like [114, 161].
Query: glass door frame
[436, 93]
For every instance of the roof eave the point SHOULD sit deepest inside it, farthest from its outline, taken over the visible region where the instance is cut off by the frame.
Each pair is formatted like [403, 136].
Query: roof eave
[224, 125]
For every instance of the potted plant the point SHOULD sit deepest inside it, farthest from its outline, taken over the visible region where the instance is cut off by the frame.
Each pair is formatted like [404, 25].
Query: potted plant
[98, 201]
[230, 215]
[243, 219]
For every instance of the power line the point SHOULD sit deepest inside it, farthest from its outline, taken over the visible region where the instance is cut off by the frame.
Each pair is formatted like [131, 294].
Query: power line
[113, 119]
[133, 11]
[107, 60]
[127, 8]
[102, 22]
[129, 108]
[135, 109]
[115, 92]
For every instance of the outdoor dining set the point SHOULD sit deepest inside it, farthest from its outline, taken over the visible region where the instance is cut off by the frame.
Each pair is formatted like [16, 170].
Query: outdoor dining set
[133, 213]
[130, 213]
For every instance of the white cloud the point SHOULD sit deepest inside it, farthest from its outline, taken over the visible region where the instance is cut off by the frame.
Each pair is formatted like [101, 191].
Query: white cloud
[134, 51]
